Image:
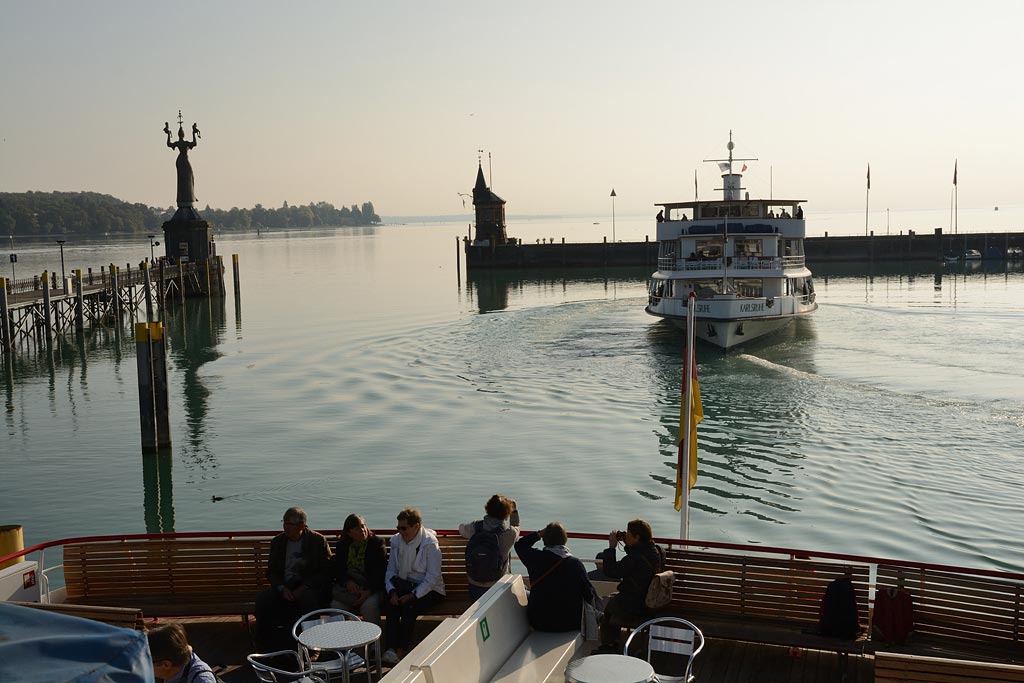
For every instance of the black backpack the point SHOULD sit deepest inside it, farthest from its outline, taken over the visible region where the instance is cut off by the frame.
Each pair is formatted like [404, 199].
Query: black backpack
[484, 563]
[839, 617]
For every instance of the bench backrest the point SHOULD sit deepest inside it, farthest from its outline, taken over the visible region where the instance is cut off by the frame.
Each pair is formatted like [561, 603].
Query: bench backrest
[897, 668]
[771, 588]
[453, 564]
[125, 617]
[960, 607]
[168, 567]
[485, 639]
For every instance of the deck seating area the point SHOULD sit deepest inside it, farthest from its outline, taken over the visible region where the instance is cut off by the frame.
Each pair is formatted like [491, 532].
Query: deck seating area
[891, 667]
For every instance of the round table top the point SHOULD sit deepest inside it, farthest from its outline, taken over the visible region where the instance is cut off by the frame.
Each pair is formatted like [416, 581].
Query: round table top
[609, 669]
[340, 635]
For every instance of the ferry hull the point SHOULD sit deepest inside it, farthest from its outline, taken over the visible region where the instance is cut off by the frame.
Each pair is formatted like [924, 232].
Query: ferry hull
[728, 333]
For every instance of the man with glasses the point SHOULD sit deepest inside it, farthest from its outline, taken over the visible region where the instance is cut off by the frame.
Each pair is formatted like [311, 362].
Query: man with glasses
[299, 573]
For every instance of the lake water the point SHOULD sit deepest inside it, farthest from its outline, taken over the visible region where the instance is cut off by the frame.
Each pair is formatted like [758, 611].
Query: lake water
[358, 373]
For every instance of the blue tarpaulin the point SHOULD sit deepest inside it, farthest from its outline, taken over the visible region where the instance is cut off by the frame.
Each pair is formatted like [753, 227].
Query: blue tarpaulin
[38, 645]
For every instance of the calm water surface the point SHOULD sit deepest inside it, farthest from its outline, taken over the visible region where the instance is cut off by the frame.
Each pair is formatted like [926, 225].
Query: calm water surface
[357, 373]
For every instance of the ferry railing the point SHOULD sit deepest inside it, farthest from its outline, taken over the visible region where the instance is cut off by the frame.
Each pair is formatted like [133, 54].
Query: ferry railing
[334, 534]
[673, 264]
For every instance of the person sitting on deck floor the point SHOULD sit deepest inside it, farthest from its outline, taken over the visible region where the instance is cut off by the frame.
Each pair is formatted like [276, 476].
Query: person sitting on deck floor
[360, 560]
[558, 581]
[299, 572]
[173, 658]
[491, 558]
[642, 561]
[413, 581]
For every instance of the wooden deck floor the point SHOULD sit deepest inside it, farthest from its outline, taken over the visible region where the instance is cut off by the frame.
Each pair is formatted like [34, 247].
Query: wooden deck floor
[224, 642]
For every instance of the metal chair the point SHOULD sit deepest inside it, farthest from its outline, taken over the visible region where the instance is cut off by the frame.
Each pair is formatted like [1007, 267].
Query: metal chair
[335, 664]
[681, 638]
[271, 674]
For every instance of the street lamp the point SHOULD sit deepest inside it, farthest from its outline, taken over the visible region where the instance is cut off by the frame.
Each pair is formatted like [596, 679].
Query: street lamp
[151, 245]
[63, 277]
[613, 215]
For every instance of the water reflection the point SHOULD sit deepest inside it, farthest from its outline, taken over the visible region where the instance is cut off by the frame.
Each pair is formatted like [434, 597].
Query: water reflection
[158, 497]
[493, 289]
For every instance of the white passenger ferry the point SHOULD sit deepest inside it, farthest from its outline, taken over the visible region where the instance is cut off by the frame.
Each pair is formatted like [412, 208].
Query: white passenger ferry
[743, 259]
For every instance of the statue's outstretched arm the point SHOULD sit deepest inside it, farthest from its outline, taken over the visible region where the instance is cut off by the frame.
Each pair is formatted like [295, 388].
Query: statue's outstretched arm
[167, 129]
[195, 134]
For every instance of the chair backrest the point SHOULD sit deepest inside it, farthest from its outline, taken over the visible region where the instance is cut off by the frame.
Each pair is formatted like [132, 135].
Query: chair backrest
[272, 674]
[320, 616]
[672, 635]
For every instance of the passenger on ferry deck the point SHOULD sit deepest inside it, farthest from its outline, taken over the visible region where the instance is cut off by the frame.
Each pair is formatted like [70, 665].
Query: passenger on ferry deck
[643, 559]
[661, 216]
[558, 581]
[413, 581]
[299, 569]
[799, 211]
[360, 560]
[498, 510]
[771, 213]
[173, 658]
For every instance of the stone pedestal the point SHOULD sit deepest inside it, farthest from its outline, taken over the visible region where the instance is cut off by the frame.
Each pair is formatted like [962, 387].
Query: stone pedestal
[188, 241]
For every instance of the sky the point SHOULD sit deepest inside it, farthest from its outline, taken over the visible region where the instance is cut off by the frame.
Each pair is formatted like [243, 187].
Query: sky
[389, 101]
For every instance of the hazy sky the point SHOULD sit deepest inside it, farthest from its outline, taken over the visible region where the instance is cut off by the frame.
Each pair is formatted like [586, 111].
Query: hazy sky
[388, 101]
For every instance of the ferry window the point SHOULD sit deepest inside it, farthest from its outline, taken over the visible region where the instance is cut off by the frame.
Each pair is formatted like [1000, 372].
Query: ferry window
[667, 249]
[657, 287]
[746, 248]
[794, 248]
[751, 210]
[749, 286]
[668, 288]
[709, 249]
[707, 287]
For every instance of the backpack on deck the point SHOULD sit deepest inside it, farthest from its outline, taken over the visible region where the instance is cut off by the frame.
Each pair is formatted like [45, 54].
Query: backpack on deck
[659, 593]
[484, 563]
[838, 616]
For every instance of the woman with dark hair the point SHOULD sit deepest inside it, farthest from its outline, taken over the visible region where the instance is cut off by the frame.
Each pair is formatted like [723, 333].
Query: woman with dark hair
[558, 581]
[359, 564]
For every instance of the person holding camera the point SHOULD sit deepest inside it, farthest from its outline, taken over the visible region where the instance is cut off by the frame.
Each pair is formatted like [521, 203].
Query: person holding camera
[558, 581]
[490, 544]
[642, 560]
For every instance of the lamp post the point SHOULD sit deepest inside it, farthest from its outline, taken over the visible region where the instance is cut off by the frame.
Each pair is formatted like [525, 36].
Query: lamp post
[63, 277]
[613, 215]
[14, 259]
[151, 245]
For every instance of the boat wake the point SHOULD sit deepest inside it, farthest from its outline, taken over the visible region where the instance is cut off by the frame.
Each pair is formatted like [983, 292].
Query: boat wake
[793, 372]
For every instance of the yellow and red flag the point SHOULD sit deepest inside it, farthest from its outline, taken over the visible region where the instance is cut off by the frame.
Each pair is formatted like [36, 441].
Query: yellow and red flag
[688, 433]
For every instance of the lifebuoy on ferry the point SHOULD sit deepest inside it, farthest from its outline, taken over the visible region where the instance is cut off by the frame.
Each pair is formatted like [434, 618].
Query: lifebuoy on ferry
[769, 302]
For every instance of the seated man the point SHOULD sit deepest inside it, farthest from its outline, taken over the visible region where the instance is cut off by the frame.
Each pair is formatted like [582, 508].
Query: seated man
[173, 658]
[643, 559]
[299, 572]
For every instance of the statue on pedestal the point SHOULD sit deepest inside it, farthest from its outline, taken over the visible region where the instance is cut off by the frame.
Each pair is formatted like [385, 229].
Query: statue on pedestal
[186, 181]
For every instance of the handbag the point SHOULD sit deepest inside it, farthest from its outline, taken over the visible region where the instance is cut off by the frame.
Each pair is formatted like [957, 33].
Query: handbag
[659, 592]
[403, 586]
[588, 622]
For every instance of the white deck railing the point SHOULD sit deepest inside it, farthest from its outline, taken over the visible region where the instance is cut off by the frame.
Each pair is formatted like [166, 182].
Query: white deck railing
[673, 264]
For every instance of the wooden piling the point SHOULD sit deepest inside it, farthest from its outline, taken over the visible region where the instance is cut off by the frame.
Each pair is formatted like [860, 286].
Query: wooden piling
[147, 402]
[209, 292]
[158, 347]
[115, 292]
[234, 274]
[181, 282]
[220, 276]
[458, 260]
[90, 276]
[148, 284]
[6, 340]
[163, 285]
[79, 303]
[47, 312]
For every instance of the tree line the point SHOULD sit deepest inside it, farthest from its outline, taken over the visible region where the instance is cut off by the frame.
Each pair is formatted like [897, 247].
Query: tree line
[43, 214]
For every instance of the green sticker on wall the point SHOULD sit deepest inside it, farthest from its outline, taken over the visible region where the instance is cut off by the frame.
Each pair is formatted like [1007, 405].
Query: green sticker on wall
[485, 631]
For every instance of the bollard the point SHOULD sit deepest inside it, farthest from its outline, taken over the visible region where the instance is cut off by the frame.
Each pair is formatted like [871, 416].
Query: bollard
[47, 314]
[6, 341]
[149, 294]
[79, 303]
[234, 272]
[147, 402]
[161, 402]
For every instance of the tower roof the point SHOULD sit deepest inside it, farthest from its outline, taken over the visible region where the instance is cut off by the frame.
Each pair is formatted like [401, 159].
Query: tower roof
[481, 193]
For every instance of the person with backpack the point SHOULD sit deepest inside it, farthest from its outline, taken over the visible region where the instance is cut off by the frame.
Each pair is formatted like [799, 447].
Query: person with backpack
[489, 545]
[558, 581]
[635, 571]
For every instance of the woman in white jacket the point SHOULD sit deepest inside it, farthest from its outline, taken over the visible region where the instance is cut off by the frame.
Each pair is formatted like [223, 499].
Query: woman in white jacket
[413, 581]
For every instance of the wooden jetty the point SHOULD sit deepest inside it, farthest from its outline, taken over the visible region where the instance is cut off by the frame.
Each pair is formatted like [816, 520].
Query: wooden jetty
[37, 310]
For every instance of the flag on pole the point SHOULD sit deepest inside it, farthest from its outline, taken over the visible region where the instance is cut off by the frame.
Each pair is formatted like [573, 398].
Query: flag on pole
[869, 176]
[696, 415]
[954, 171]
[744, 168]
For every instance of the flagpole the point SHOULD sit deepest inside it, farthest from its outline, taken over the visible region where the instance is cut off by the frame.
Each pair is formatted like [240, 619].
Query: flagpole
[684, 442]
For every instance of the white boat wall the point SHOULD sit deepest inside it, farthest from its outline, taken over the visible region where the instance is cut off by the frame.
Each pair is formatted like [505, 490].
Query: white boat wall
[743, 258]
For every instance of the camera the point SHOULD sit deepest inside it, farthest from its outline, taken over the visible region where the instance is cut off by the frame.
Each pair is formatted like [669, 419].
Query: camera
[620, 535]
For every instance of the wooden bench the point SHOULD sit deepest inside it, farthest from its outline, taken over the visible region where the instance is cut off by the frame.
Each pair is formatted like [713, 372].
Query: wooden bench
[891, 667]
[124, 617]
[203, 577]
[958, 613]
[768, 600]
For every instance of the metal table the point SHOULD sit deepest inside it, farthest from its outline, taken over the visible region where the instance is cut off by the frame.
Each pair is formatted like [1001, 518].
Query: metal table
[609, 669]
[342, 637]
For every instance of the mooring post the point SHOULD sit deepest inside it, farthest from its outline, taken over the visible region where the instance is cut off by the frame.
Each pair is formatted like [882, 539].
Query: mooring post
[147, 403]
[148, 284]
[158, 346]
[90, 275]
[103, 275]
[5, 326]
[209, 292]
[79, 303]
[220, 276]
[47, 314]
[115, 292]
[234, 274]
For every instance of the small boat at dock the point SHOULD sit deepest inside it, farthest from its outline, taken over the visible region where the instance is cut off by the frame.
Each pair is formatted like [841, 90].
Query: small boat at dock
[743, 258]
